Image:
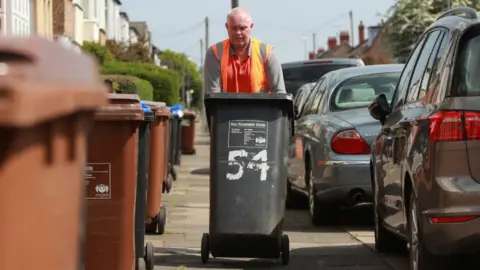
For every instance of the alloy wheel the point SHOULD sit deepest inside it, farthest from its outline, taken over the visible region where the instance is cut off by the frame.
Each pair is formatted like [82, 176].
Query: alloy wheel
[413, 245]
[311, 195]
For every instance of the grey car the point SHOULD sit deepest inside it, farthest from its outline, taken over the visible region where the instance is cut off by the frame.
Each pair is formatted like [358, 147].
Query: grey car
[330, 152]
[425, 171]
[299, 73]
[301, 96]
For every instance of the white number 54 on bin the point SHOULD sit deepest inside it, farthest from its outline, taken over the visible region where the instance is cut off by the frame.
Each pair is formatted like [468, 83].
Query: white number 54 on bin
[238, 161]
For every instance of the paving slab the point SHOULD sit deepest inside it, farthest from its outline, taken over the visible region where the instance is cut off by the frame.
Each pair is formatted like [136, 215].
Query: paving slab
[188, 217]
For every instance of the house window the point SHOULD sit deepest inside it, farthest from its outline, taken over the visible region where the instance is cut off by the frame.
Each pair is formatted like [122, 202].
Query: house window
[86, 9]
[95, 9]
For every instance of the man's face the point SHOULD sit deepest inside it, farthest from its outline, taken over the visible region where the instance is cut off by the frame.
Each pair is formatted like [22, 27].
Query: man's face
[238, 31]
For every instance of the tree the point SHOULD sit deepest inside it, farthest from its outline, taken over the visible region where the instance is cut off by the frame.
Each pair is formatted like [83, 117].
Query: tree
[408, 19]
[139, 51]
[189, 70]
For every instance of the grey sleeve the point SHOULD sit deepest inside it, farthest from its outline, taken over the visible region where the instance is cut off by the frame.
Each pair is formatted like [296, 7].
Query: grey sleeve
[211, 73]
[275, 74]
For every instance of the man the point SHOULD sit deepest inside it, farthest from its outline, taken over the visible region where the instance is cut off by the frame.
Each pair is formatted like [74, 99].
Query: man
[242, 64]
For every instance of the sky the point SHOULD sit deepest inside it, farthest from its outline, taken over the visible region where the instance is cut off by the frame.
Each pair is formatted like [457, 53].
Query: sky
[287, 25]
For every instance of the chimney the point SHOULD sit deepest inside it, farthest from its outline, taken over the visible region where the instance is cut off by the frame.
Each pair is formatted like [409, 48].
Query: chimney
[311, 55]
[320, 50]
[332, 42]
[361, 33]
[344, 37]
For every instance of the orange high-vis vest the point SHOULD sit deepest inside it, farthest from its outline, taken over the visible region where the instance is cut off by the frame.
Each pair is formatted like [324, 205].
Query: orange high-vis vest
[259, 56]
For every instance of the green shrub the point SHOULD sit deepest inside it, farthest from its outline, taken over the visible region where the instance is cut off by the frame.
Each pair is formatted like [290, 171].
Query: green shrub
[98, 51]
[131, 85]
[165, 82]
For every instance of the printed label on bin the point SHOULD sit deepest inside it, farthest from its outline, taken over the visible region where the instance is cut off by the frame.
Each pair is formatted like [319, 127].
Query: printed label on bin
[247, 133]
[98, 181]
[185, 122]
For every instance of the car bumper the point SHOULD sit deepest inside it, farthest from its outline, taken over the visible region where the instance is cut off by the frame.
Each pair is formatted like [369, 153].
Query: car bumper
[343, 182]
[459, 237]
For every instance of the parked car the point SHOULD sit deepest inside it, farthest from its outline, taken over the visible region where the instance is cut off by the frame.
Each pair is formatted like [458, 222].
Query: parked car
[330, 152]
[299, 73]
[301, 95]
[425, 173]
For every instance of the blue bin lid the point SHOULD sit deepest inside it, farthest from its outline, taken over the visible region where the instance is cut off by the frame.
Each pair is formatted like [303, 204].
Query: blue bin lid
[145, 107]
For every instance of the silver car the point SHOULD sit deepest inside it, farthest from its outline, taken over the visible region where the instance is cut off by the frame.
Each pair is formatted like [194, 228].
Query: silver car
[330, 152]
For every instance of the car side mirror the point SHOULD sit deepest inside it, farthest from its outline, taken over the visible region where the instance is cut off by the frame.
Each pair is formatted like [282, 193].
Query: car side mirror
[379, 108]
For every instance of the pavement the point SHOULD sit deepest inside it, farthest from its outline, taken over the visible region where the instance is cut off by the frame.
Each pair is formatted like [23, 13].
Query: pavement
[345, 247]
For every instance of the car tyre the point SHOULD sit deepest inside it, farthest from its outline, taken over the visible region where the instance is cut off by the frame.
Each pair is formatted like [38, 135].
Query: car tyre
[419, 257]
[320, 213]
[385, 241]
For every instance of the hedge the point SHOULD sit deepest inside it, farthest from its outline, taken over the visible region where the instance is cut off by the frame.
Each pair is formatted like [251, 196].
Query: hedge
[98, 51]
[131, 85]
[165, 82]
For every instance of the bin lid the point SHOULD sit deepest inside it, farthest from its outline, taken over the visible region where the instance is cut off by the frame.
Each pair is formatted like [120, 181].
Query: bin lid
[39, 83]
[280, 101]
[148, 113]
[160, 108]
[189, 114]
[122, 107]
[177, 110]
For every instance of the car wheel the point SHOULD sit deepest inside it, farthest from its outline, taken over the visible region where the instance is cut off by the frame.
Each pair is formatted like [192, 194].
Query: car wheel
[293, 200]
[419, 257]
[320, 213]
[385, 241]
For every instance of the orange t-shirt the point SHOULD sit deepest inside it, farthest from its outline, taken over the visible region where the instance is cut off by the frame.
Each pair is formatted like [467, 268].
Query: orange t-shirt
[239, 74]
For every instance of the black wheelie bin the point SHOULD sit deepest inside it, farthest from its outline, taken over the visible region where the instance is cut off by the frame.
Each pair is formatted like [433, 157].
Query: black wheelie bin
[249, 134]
[143, 253]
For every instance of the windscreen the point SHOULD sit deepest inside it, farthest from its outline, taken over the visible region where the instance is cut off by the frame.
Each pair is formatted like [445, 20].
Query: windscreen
[358, 92]
[297, 76]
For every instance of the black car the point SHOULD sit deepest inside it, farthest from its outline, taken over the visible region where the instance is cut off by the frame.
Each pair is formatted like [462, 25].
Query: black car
[299, 73]
[425, 161]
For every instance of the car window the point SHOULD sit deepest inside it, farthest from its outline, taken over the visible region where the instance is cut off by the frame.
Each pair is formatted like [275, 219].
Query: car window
[421, 67]
[467, 68]
[298, 97]
[296, 76]
[316, 99]
[435, 74]
[359, 91]
[402, 86]
[309, 101]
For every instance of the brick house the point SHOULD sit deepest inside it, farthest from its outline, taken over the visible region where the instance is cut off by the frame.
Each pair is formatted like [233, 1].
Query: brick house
[43, 17]
[17, 17]
[63, 18]
[374, 50]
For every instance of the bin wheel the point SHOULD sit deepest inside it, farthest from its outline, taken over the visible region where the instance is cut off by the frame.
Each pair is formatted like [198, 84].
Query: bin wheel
[285, 250]
[152, 227]
[169, 183]
[173, 172]
[194, 151]
[162, 219]
[149, 263]
[205, 248]
[140, 264]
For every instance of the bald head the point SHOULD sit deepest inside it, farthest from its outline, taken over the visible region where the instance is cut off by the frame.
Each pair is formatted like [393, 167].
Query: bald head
[239, 25]
[239, 13]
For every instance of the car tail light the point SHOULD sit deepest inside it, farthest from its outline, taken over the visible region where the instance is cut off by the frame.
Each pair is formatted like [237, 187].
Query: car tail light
[454, 126]
[452, 219]
[349, 142]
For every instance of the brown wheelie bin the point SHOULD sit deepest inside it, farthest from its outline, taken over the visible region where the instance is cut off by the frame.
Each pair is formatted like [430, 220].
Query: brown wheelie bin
[157, 169]
[111, 177]
[46, 113]
[188, 133]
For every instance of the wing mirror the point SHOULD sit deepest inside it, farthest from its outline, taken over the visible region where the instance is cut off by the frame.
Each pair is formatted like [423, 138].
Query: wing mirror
[379, 108]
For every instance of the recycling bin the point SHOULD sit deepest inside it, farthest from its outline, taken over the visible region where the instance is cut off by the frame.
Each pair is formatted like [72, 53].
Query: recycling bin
[110, 175]
[157, 170]
[188, 133]
[248, 174]
[175, 139]
[46, 115]
[143, 253]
